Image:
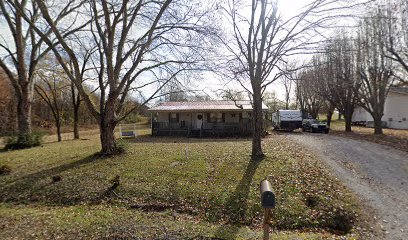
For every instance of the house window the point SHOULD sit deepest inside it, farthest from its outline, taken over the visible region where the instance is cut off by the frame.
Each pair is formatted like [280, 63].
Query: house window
[233, 115]
[173, 117]
[216, 117]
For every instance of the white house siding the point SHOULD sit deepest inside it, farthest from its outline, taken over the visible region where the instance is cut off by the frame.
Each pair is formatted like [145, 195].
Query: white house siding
[395, 112]
[361, 115]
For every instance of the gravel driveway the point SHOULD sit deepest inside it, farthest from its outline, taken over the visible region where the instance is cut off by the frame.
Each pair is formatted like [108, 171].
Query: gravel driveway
[378, 174]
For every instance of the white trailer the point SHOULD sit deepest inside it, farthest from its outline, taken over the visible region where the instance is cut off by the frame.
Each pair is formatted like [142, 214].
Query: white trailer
[287, 119]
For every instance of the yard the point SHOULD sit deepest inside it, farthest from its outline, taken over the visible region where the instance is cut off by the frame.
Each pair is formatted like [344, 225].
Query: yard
[396, 138]
[170, 188]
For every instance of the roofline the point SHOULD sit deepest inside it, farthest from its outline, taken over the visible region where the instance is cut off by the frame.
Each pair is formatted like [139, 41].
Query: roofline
[397, 92]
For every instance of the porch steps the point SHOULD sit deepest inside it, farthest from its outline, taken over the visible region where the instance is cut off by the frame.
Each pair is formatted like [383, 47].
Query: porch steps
[195, 133]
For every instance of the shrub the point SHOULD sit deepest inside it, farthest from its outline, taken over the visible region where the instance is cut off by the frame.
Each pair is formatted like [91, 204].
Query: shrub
[22, 141]
[5, 170]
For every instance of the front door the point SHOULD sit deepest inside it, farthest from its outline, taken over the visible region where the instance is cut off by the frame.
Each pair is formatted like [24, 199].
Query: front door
[199, 120]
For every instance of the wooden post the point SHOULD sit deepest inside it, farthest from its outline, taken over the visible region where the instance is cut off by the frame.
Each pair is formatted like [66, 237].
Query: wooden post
[266, 223]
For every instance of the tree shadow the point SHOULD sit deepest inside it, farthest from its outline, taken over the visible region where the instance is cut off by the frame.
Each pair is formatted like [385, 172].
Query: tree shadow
[236, 206]
[29, 188]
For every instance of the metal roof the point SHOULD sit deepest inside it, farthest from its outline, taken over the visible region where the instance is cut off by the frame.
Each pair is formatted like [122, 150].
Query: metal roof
[242, 105]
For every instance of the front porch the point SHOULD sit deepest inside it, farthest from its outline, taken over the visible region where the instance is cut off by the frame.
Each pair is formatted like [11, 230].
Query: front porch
[189, 129]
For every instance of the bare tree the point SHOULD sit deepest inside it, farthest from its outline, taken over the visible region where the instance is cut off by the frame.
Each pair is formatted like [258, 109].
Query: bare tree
[21, 56]
[26, 49]
[262, 43]
[374, 67]
[52, 86]
[394, 15]
[342, 80]
[308, 87]
[132, 45]
[287, 84]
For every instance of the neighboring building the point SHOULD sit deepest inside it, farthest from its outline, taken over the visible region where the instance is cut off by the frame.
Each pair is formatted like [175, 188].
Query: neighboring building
[204, 118]
[395, 111]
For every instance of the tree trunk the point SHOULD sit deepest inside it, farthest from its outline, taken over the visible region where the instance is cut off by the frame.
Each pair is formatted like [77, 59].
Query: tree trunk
[329, 117]
[258, 128]
[348, 118]
[76, 122]
[314, 113]
[24, 112]
[339, 116]
[378, 129]
[107, 127]
[58, 125]
[76, 102]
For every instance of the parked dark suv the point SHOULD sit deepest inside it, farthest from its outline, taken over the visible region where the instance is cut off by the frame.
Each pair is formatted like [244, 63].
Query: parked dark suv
[314, 125]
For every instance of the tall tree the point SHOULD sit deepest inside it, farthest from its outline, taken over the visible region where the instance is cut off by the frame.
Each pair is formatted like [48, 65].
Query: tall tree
[52, 86]
[342, 79]
[24, 51]
[374, 67]
[134, 45]
[262, 41]
[21, 56]
[394, 15]
[308, 90]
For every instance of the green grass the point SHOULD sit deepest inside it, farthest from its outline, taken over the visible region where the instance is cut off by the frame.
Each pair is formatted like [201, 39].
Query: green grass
[176, 186]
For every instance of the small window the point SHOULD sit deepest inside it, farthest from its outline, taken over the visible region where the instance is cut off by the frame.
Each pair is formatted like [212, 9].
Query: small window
[390, 119]
[216, 117]
[404, 119]
[173, 117]
[233, 115]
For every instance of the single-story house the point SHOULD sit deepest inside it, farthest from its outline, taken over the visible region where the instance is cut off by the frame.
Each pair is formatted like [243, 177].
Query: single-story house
[395, 111]
[203, 118]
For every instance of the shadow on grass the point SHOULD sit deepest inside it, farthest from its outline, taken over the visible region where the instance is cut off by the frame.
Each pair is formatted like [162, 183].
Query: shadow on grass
[31, 187]
[236, 205]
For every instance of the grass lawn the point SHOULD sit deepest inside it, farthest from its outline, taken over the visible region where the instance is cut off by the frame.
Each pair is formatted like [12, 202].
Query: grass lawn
[170, 188]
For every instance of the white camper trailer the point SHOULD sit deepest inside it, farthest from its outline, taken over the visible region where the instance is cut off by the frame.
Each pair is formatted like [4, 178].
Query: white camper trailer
[287, 119]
